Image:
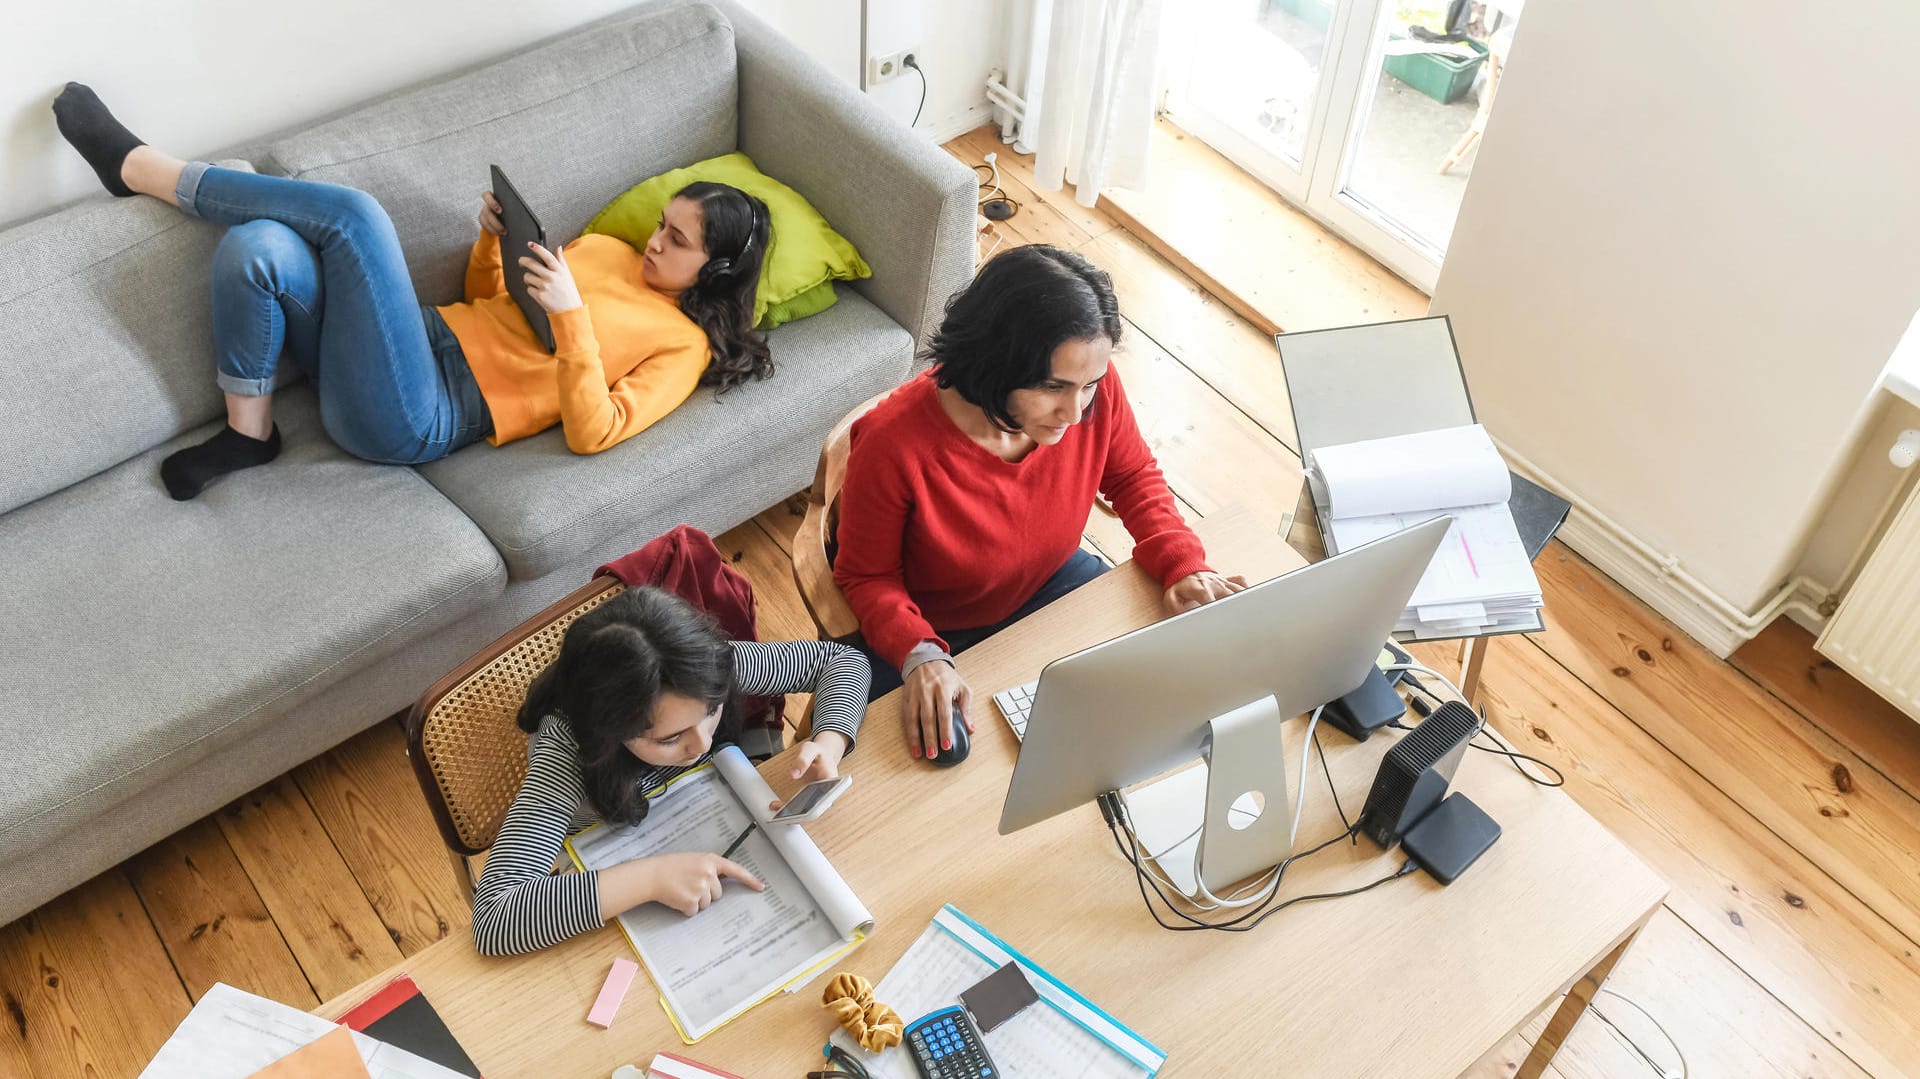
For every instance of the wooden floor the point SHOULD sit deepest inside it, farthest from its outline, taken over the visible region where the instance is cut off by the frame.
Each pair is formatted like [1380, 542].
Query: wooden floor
[1775, 795]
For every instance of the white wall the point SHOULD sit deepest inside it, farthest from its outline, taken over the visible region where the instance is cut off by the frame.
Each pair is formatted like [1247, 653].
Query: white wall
[960, 41]
[195, 76]
[1691, 242]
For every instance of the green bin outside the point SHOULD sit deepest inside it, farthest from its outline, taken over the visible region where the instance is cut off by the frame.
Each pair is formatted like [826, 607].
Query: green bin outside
[1442, 78]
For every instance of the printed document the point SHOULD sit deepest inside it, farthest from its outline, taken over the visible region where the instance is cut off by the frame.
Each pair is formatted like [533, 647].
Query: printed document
[748, 945]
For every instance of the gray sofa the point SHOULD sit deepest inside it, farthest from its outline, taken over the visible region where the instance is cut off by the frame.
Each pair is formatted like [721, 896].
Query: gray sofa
[159, 659]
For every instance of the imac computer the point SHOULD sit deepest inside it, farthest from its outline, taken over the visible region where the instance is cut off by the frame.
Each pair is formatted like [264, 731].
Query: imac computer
[1216, 683]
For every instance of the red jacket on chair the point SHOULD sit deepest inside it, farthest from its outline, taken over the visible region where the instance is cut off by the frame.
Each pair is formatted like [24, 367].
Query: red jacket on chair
[686, 563]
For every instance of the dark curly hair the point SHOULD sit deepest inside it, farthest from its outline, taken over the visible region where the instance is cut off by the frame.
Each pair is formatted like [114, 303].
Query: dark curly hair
[614, 663]
[736, 231]
[1000, 332]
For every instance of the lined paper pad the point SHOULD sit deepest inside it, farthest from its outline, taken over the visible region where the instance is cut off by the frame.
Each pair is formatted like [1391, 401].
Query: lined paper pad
[1063, 1035]
[748, 945]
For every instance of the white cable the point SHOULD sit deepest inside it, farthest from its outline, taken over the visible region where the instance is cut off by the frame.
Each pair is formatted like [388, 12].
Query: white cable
[1300, 792]
[1671, 1040]
[1267, 882]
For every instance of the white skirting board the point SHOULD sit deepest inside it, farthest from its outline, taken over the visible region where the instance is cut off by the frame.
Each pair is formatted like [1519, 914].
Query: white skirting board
[1697, 610]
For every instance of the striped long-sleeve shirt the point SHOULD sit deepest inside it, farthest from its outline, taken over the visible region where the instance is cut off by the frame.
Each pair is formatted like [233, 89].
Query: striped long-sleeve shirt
[520, 905]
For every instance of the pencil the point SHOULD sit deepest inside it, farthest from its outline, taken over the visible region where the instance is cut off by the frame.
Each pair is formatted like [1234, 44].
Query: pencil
[739, 839]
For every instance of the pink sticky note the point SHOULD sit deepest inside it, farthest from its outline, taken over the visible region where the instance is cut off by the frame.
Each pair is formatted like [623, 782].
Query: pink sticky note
[613, 992]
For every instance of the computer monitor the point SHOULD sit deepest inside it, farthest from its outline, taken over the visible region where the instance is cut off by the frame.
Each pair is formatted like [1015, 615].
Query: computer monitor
[1142, 704]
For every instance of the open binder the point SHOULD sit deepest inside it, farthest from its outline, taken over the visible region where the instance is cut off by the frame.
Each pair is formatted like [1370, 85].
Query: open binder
[1360, 383]
[748, 945]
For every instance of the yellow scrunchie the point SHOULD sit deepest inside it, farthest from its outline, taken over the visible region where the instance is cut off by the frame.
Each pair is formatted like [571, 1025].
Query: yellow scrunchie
[874, 1025]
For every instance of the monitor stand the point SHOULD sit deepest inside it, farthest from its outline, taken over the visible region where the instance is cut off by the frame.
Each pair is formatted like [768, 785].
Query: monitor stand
[1207, 821]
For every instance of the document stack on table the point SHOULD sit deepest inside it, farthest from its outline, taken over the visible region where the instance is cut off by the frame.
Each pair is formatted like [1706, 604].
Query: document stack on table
[1481, 580]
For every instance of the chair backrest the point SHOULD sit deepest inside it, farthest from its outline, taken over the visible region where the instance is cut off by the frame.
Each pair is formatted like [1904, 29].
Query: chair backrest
[811, 571]
[468, 752]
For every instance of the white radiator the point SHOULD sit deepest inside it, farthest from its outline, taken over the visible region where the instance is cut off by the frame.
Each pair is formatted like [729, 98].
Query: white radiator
[1875, 634]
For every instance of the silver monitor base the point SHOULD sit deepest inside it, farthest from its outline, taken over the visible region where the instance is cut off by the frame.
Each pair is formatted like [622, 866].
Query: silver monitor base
[1227, 819]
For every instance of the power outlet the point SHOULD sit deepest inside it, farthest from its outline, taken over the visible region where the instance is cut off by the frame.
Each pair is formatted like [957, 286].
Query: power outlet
[885, 67]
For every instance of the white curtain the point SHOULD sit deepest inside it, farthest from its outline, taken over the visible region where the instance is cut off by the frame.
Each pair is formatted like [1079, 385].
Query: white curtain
[1084, 70]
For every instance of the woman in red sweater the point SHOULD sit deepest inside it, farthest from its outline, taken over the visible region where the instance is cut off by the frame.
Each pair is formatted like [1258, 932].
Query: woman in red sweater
[968, 488]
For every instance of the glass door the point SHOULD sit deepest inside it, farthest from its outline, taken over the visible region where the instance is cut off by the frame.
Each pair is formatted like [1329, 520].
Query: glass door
[1366, 113]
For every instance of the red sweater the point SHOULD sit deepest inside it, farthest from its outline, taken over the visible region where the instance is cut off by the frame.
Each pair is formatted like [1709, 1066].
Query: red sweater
[935, 531]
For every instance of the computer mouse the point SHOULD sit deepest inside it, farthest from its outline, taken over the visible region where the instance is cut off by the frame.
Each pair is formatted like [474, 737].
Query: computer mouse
[947, 758]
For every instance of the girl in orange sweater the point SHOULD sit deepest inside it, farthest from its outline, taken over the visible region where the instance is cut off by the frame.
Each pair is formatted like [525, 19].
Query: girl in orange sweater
[316, 270]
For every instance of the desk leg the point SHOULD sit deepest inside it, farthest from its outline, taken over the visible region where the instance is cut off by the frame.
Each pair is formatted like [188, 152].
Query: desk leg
[1473, 656]
[1570, 1011]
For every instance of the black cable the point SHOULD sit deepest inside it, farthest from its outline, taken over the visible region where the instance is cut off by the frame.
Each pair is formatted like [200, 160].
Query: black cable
[1333, 790]
[915, 65]
[1130, 850]
[1514, 757]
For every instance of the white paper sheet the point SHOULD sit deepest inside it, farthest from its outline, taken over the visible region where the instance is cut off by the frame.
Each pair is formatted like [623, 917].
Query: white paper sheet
[1061, 1037]
[1480, 561]
[1432, 470]
[748, 944]
[231, 1033]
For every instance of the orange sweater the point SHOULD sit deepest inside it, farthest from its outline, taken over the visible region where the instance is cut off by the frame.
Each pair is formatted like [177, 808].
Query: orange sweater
[601, 394]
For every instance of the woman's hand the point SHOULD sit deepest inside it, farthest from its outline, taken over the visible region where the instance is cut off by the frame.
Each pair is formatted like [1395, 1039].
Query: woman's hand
[933, 691]
[1200, 589]
[549, 281]
[490, 215]
[689, 881]
[817, 758]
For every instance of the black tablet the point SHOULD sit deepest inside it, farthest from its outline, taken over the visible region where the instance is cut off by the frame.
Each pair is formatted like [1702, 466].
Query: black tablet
[522, 228]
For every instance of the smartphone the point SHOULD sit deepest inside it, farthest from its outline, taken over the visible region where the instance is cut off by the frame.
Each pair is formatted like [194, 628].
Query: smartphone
[810, 801]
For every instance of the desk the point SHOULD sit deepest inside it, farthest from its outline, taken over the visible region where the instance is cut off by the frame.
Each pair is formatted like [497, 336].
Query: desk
[1405, 981]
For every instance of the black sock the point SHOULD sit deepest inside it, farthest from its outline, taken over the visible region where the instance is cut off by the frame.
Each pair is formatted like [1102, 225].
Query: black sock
[187, 472]
[101, 139]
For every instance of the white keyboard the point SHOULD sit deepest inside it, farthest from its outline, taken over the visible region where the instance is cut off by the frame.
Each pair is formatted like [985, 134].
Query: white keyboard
[1015, 704]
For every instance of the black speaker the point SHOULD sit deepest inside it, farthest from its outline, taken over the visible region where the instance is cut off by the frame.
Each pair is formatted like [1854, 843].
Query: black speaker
[1414, 775]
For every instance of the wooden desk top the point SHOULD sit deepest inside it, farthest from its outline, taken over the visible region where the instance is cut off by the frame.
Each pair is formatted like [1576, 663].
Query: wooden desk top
[1408, 980]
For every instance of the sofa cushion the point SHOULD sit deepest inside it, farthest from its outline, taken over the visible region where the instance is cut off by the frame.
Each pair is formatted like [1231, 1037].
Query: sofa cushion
[803, 254]
[572, 123]
[106, 346]
[730, 457]
[142, 634]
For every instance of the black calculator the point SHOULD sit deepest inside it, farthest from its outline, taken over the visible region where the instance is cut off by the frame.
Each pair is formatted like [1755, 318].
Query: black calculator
[945, 1045]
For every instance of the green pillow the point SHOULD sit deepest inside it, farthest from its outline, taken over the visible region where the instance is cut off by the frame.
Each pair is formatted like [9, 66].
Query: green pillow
[804, 259]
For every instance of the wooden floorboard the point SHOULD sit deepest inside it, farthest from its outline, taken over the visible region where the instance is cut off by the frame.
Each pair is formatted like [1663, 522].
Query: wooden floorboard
[1813, 792]
[1782, 661]
[364, 795]
[1220, 347]
[86, 985]
[1842, 969]
[211, 920]
[1017, 176]
[313, 896]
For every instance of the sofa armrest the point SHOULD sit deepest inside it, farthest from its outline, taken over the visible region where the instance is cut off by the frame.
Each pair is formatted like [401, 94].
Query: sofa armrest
[903, 201]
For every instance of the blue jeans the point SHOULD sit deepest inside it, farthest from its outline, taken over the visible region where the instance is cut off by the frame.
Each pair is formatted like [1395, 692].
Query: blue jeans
[315, 270]
[1079, 568]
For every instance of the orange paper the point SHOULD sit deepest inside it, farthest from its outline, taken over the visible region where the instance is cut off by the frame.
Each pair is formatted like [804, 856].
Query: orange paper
[331, 1056]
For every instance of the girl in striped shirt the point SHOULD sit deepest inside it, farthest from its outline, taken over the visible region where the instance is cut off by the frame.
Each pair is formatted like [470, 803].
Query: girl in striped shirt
[644, 689]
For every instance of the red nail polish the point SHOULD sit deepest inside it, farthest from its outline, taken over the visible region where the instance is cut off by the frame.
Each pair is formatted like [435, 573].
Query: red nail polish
[946, 745]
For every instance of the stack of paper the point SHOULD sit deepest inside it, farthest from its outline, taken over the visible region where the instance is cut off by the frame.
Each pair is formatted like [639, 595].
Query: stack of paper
[1480, 580]
[233, 1034]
